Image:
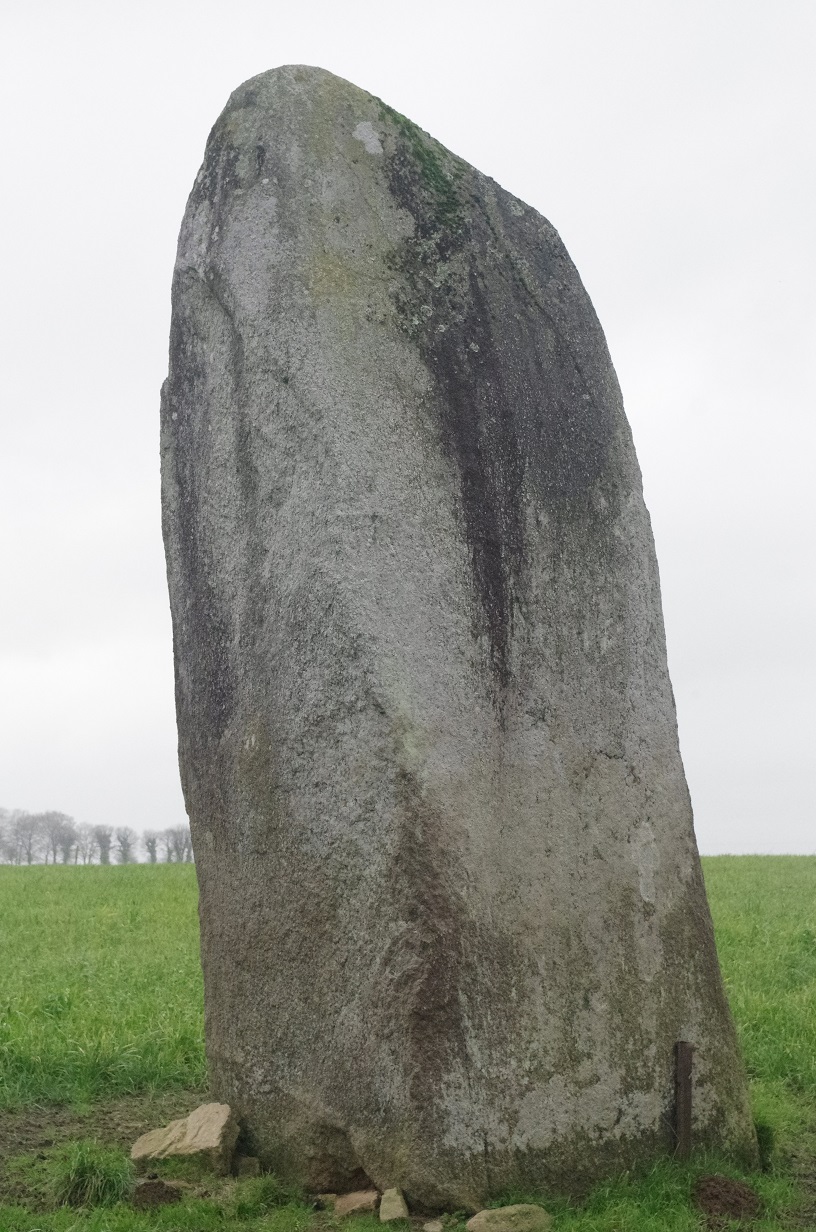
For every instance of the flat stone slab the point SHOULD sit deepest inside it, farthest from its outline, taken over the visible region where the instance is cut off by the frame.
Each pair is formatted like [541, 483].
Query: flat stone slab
[526, 1217]
[209, 1132]
[361, 1202]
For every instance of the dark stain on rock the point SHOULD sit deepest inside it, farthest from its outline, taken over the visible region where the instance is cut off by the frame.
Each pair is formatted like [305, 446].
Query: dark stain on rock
[426, 975]
[219, 176]
[204, 634]
[515, 412]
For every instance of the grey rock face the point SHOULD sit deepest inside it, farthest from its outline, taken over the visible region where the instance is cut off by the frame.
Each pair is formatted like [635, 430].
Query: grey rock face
[452, 914]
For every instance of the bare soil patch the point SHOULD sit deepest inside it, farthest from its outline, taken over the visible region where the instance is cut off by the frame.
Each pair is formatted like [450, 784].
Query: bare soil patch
[722, 1199]
[152, 1193]
[119, 1122]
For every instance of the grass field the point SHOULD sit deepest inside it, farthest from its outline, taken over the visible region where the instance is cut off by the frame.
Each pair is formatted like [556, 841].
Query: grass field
[101, 1013]
[100, 983]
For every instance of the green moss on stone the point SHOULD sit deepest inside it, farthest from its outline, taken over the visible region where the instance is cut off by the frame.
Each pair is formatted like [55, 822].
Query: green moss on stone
[427, 157]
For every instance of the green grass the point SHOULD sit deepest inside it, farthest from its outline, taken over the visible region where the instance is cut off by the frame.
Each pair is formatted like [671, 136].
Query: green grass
[428, 156]
[195, 1215]
[100, 982]
[101, 996]
[88, 1174]
[764, 910]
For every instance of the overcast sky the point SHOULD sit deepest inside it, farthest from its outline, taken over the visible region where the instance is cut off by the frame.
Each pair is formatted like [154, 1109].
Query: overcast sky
[672, 145]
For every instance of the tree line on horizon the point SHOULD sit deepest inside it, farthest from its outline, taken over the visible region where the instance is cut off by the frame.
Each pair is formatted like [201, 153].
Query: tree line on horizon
[55, 838]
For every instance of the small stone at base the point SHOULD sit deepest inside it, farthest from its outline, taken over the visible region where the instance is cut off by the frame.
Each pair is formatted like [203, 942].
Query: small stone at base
[433, 1225]
[359, 1203]
[392, 1206]
[526, 1217]
[208, 1133]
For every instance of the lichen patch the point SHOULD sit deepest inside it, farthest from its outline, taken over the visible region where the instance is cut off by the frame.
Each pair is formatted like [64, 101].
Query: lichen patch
[365, 132]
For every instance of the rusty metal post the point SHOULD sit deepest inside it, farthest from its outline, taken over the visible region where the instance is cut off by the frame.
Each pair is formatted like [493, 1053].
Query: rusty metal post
[683, 1054]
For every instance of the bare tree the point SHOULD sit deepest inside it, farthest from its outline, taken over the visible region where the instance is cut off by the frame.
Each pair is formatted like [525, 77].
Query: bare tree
[55, 826]
[166, 841]
[50, 824]
[180, 843]
[104, 838]
[27, 836]
[125, 841]
[150, 842]
[68, 841]
[186, 845]
[86, 844]
[7, 848]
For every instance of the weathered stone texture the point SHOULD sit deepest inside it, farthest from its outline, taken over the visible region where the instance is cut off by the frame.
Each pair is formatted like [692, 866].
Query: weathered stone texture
[452, 914]
[359, 1202]
[209, 1133]
[393, 1206]
[521, 1218]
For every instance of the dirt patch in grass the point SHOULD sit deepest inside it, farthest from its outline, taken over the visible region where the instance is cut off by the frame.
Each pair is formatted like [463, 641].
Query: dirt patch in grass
[149, 1194]
[722, 1199]
[119, 1122]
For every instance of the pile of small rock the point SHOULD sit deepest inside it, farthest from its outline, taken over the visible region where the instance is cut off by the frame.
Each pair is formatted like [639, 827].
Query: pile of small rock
[392, 1206]
[210, 1133]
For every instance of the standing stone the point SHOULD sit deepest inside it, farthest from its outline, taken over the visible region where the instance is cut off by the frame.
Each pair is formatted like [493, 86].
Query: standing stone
[452, 915]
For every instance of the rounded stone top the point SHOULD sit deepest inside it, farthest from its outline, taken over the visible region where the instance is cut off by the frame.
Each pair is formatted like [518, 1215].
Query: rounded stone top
[304, 82]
